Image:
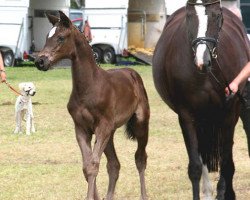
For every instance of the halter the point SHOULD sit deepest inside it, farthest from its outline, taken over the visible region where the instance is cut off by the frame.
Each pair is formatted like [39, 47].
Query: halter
[203, 4]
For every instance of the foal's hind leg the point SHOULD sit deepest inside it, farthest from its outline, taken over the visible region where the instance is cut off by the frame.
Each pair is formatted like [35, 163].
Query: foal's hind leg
[140, 126]
[113, 167]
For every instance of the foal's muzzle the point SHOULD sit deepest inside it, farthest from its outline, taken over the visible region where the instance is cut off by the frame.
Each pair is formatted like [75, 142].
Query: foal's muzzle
[42, 63]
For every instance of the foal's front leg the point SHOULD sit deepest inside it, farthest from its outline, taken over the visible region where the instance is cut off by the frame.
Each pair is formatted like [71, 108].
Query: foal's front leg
[91, 160]
[103, 133]
[84, 142]
[113, 167]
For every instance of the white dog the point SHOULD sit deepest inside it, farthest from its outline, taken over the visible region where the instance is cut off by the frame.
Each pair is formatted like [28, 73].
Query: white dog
[23, 107]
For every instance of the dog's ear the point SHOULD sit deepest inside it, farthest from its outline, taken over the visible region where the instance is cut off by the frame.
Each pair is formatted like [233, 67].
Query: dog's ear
[21, 86]
[32, 85]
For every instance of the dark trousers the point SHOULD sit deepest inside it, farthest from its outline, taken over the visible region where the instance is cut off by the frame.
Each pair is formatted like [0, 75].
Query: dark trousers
[245, 114]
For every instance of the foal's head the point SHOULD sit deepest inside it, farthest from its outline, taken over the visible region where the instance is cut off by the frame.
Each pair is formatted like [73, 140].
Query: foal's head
[59, 42]
[204, 21]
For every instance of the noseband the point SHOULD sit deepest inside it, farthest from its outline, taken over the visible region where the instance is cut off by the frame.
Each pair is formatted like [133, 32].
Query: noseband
[205, 40]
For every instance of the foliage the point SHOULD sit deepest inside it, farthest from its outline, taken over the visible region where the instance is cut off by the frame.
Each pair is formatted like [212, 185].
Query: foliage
[73, 4]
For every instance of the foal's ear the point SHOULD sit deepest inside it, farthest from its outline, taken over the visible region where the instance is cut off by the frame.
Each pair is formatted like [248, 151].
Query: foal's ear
[52, 19]
[64, 19]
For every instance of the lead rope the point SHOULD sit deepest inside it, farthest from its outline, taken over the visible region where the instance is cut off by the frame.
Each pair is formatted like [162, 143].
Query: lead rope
[13, 89]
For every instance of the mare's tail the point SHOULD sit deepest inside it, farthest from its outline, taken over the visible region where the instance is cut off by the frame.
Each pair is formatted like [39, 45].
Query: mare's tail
[210, 146]
[248, 142]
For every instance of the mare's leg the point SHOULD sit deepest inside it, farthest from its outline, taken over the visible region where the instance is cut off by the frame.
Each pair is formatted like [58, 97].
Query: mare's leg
[113, 167]
[245, 113]
[191, 141]
[206, 184]
[245, 117]
[84, 142]
[225, 185]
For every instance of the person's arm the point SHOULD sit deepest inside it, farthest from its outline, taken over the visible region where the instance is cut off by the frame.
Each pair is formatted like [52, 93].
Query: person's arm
[242, 76]
[2, 70]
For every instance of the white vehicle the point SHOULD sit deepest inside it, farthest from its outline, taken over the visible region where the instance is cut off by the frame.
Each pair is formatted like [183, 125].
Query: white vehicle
[109, 32]
[119, 24]
[23, 26]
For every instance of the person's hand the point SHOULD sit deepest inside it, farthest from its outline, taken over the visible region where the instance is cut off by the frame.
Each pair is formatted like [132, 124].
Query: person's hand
[234, 88]
[3, 76]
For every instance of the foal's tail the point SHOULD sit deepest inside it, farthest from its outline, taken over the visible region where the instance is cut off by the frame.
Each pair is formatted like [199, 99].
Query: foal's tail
[130, 127]
[138, 128]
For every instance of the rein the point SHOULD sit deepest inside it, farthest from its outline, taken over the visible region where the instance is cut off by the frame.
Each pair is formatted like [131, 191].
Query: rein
[226, 83]
[13, 89]
[202, 4]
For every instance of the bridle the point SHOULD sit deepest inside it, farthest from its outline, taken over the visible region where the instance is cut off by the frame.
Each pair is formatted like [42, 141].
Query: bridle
[213, 52]
[206, 40]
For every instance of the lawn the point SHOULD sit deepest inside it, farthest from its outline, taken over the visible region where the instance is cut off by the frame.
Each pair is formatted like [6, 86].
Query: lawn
[47, 165]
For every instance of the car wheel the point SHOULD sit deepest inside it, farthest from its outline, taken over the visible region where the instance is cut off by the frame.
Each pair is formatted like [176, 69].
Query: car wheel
[98, 54]
[109, 56]
[8, 58]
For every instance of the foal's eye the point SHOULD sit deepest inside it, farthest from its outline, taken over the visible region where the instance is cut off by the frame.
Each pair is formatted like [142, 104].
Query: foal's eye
[60, 39]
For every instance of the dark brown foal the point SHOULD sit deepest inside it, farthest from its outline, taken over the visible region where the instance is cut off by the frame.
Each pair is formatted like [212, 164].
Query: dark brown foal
[100, 102]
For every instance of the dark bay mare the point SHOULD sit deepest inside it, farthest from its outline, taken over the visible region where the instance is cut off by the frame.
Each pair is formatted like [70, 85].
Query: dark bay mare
[201, 49]
[100, 102]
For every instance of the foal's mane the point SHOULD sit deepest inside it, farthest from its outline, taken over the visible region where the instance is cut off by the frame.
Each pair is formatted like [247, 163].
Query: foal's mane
[81, 43]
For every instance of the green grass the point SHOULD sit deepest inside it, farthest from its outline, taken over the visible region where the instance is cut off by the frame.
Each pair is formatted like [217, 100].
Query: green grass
[47, 165]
